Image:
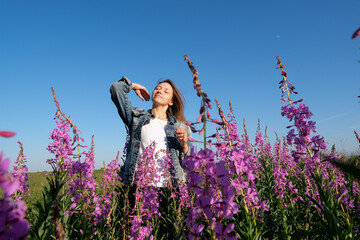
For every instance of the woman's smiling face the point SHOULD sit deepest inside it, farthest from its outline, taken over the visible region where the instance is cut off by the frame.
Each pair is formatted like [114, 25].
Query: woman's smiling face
[162, 94]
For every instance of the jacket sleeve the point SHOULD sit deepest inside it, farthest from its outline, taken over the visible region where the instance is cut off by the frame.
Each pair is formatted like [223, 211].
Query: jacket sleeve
[119, 95]
[189, 133]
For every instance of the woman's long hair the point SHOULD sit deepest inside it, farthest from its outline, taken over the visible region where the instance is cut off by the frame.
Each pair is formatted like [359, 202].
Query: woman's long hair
[177, 109]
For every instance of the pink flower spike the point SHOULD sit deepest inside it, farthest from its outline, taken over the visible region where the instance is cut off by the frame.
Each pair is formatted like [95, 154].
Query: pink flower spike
[201, 131]
[208, 114]
[298, 101]
[217, 122]
[6, 134]
[192, 140]
[356, 34]
[189, 123]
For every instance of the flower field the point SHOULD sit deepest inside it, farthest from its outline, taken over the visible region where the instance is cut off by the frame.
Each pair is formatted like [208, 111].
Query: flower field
[296, 188]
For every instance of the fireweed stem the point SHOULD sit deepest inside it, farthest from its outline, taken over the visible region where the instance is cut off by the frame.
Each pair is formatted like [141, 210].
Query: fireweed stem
[287, 91]
[244, 200]
[205, 129]
[213, 234]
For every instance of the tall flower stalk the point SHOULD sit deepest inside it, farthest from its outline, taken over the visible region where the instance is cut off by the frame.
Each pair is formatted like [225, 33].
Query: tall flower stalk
[146, 195]
[205, 101]
[20, 173]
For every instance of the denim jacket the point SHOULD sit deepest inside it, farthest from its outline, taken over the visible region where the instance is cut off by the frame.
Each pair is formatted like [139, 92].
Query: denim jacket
[134, 118]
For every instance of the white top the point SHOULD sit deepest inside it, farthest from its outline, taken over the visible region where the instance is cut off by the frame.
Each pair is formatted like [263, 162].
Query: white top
[155, 131]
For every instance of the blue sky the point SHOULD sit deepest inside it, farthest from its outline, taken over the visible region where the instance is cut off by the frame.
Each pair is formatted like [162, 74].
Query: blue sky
[81, 47]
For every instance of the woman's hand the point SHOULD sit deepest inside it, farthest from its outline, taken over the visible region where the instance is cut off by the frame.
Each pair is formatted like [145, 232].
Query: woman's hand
[182, 136]
[141, 91]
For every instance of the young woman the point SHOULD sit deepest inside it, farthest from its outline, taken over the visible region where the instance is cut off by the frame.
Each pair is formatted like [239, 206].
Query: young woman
[164, 124]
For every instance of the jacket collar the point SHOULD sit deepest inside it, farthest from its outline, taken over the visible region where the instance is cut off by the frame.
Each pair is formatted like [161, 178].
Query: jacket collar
[172, 119]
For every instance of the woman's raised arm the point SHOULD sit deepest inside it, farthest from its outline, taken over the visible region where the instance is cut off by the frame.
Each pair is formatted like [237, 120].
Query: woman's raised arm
[119, 91]
[119, 95]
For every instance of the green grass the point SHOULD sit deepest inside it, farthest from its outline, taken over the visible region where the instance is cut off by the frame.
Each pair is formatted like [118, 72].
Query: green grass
[37, 180]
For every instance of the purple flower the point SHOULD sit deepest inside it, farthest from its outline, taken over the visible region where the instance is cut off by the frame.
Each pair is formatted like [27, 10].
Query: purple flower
[252, 196]
[225, 232]
[9, 186]
[264, 206]
[222, 175]
[20, 173]
[195, 230]
[230, 209]
[184, 196]
[61, 146]
[13, 224]
[210, 181]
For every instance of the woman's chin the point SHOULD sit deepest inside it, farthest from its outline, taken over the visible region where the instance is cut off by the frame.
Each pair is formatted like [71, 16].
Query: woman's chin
[158, 103]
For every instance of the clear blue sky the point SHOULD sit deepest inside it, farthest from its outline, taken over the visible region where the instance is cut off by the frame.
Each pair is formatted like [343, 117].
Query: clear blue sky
[81, 47]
